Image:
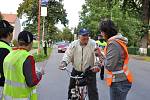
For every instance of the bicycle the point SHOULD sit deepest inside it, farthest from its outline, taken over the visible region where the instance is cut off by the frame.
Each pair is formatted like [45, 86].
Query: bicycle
[80, 90]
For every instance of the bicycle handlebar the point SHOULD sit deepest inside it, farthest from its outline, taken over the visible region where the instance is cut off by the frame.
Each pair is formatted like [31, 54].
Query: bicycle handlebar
[75, 77]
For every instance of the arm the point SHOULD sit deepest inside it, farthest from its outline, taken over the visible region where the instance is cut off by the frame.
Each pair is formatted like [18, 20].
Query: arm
[32, 78]
[68, 55]
[67, 58]
[3, 53]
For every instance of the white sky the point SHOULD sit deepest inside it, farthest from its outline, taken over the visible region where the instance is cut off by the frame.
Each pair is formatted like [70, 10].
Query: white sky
[9, 6]
[72, 8]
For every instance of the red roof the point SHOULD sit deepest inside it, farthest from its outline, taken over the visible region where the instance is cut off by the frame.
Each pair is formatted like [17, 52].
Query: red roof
[10, 17]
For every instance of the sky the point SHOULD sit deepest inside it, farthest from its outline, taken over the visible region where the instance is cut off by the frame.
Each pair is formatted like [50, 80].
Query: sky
[9, 6]
[72, 9]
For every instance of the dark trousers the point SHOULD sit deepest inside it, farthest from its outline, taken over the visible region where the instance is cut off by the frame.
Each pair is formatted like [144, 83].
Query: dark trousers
[119, 90]
[45, 50]
[102, 73]
[91, 86]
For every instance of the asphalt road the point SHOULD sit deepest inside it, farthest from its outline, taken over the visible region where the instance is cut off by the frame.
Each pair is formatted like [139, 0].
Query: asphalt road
[54, 83]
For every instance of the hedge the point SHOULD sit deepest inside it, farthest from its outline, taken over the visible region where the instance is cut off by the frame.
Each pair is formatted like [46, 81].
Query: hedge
[133, 50]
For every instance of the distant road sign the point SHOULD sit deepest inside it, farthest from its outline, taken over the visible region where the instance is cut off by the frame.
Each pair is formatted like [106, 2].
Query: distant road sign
[43, 11]
[44, 2]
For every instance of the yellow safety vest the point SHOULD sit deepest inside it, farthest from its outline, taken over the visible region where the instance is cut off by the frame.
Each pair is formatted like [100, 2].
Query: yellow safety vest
[15, 85]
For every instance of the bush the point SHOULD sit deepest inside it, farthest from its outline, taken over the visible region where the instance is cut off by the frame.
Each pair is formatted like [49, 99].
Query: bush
[35, 44]
[133, 50]
[41, 56]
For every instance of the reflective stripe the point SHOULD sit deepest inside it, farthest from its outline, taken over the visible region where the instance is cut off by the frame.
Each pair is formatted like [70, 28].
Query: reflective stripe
[11, 98]
[113, 80]
[108, 76]
[1, 92]
[125, 65]
[34, 91]
[118, 72]
[127, 72]
[15, 84]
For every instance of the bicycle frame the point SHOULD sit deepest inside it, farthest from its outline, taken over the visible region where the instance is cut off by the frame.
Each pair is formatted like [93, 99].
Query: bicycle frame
[79, 92]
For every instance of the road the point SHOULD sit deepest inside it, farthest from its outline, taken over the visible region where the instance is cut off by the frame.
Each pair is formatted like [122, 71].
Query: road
[54, 83]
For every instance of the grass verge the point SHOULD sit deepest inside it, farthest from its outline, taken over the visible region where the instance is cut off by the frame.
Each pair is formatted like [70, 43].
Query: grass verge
[41, 57]
[138, 57]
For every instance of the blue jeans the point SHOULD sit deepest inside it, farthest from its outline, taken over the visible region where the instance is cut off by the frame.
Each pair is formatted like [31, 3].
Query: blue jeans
[119, 90]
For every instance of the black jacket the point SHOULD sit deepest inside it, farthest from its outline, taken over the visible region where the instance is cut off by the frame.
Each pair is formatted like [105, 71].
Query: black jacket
[3, 53]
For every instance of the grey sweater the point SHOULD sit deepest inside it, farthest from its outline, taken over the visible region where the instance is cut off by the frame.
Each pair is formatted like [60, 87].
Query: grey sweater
[115, 57]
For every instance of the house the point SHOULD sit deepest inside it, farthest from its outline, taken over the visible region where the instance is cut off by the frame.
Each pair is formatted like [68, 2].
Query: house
[14, 21]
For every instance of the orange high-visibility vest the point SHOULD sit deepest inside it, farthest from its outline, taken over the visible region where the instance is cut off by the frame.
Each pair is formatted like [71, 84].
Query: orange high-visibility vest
[109, 78]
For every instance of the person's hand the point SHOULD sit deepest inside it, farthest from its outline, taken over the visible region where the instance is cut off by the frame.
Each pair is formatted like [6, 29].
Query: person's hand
[97, 52]
[95, 69]
[42, 71]
[63, 65]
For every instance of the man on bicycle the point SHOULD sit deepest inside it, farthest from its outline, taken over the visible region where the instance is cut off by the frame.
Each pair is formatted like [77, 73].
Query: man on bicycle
[81, 53]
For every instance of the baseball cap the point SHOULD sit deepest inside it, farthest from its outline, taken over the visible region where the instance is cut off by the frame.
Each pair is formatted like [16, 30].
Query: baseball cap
[83, 32]
[25, 36]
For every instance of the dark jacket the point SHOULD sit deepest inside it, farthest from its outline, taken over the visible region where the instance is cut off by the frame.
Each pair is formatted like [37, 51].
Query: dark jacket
[32, 78]
[3, 53]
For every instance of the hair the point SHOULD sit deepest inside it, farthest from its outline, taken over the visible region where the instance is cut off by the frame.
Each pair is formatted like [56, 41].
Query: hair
[25, 38]
[5, 28]
[22, 43]
[108, 27]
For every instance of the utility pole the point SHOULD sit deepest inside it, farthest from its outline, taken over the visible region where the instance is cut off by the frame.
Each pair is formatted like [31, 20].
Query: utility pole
[39, 15]
[43, 14]
[43, 29]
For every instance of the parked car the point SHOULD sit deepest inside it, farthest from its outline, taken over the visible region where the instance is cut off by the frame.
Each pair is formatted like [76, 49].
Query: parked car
[62, 47]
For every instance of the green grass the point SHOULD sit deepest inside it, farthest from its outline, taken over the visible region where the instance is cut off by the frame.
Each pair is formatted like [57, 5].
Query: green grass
[35, 44]
[147, 58]
[41, 57]
[140, 57]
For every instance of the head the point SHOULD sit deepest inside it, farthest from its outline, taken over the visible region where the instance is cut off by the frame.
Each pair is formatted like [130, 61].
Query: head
[84, 36]
[108, 29]
[25, 40]
[6, 31]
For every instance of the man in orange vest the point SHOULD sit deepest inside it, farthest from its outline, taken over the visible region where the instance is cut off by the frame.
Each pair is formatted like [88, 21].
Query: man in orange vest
[117, 74]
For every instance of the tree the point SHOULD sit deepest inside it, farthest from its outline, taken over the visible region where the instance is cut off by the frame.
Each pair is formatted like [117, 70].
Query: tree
[95, 10]
[1, 17]
[56, 13]
[142, 10]
[67, 34]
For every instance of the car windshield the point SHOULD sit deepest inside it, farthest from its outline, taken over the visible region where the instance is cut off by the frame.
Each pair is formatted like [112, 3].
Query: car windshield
[63, 44]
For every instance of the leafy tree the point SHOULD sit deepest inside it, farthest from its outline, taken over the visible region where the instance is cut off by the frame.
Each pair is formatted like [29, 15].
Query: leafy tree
[67, 34]
[95, 10]
[142, 10]
[56, 13]
[1, 17]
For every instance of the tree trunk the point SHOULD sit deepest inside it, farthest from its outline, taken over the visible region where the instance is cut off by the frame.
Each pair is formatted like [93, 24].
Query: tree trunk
[146, 16]
[146, 11]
